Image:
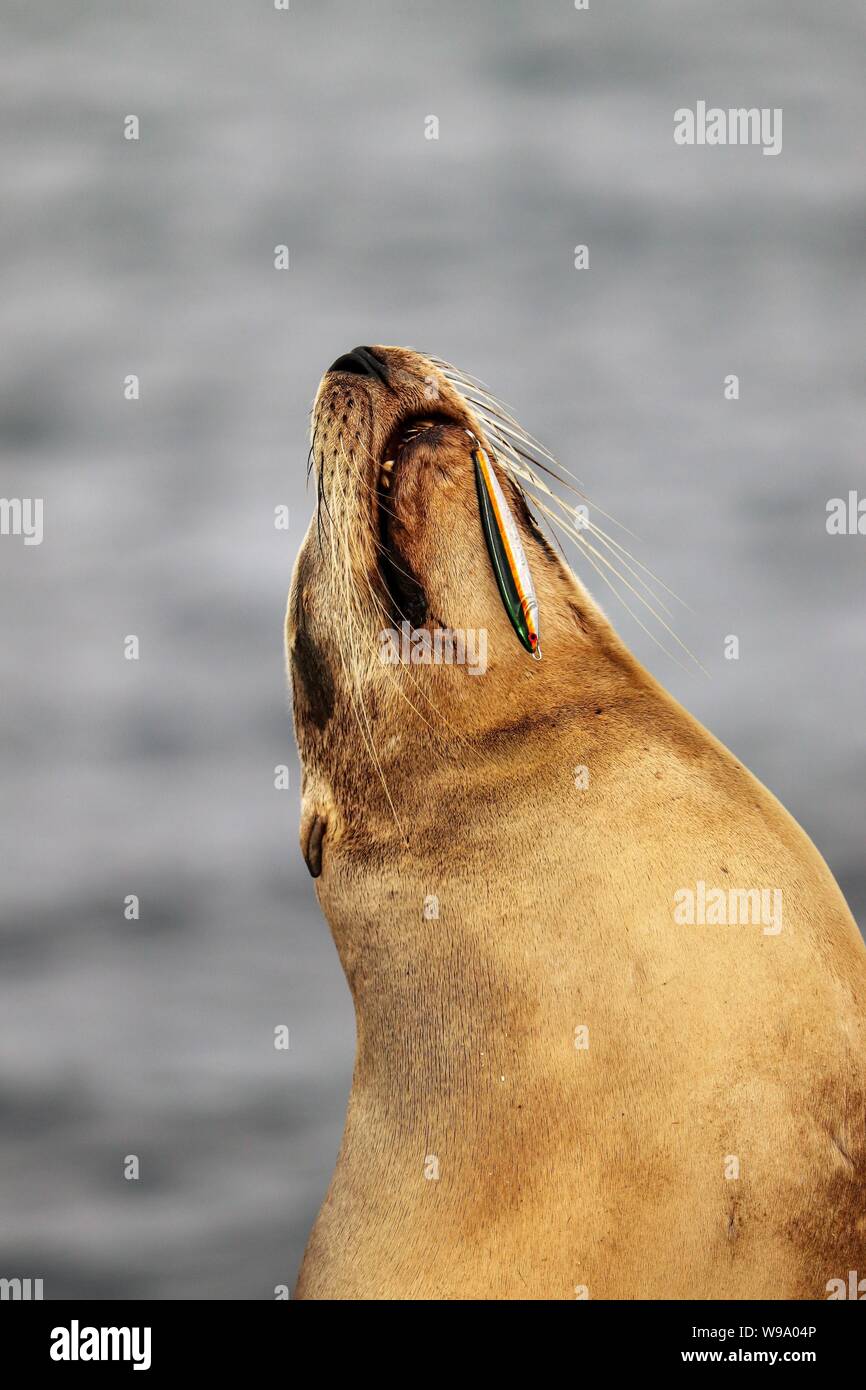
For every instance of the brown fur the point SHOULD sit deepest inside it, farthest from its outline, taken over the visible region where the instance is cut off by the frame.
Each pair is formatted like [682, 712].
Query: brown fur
[558, 1168]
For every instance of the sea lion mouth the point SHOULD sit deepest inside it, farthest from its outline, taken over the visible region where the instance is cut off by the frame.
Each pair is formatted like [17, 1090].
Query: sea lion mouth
[399, 441]
[406, 594]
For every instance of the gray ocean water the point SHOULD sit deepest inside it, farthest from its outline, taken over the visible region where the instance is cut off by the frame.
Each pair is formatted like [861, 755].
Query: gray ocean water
[154, 1037]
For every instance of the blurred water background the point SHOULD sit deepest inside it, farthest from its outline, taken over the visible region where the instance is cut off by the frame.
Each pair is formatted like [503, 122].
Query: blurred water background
[259, 127]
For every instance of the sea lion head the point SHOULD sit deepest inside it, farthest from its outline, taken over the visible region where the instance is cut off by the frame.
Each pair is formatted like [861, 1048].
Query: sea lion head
[396, 631]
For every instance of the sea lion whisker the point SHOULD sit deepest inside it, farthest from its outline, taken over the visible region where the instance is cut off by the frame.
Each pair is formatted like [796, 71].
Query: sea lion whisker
[466, 382]
[378, 603]
[382, 549]
[408, 670]
[640, 598]
[518, 435]
[603, 540]
[493, 428]
[319, 490]
[368, 740]
[354, 467]
[374, 492]
[510, 428]
[350, 663]
[533, 463]
[600, 572]
[521, 467]
[311, 457]
[590, 551]
[321, 496]
[597, 530]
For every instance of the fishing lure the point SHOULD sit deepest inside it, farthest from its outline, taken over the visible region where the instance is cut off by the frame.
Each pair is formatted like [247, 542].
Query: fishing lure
[506, 553]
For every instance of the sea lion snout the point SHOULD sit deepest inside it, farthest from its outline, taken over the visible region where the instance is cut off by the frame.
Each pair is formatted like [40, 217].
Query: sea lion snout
[397, 604]
[397, 541]
[361, 361]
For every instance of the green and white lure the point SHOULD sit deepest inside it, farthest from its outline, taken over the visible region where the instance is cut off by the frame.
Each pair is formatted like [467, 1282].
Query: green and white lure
[507, 555]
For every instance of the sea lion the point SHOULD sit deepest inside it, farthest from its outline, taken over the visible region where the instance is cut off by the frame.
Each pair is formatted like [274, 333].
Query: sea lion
[610, 1025]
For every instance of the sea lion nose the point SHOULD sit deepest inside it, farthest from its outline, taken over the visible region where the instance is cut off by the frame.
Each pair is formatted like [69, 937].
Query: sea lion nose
[362, 361]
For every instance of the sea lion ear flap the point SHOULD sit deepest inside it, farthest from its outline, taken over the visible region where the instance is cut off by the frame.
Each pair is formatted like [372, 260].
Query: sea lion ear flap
[506, 552]
[313, 828]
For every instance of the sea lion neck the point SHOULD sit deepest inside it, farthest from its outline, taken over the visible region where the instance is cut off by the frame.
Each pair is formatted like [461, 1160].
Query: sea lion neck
[387, 759]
